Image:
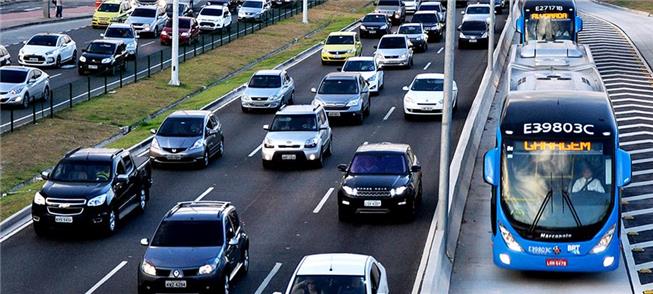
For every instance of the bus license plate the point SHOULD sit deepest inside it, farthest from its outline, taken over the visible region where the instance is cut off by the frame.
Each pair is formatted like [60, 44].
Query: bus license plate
[288, 156]
[334, 114]
[559, 262]
[63, 219]
[372, 203]
[176, 284]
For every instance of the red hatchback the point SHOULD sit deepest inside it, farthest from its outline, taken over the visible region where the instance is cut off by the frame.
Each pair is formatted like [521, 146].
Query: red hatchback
[189, 31]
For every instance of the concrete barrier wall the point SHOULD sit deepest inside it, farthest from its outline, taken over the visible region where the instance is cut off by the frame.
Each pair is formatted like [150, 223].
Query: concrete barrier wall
[439, 263]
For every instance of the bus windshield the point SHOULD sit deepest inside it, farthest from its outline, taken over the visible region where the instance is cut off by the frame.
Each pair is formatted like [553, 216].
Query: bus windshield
[549, 27]
[556, 185]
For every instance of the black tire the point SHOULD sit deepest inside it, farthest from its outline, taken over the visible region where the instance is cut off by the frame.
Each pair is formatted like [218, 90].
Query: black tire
[57, 63]
[26, 100]
[73, 59]
[411, 211]
[46, 94]
[408, 117]
[292, 98]
[111, 223]
[324, 62]
[205, 160]
[266, 164]
[360, 118]
[40, 230]
[244, 109]
[225, 284]
[461, 45]
[344, 215]
[366, 112]
[80, 72]
[329, 150]
[319, 163]
[221, 149]
[143, 196]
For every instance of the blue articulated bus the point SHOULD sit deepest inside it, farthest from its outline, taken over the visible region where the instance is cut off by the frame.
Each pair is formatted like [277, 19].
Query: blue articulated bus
[556, 174]
[549, 20]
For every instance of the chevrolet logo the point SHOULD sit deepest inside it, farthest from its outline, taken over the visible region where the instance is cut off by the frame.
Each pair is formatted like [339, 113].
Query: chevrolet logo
[64, 205]
[176, 274]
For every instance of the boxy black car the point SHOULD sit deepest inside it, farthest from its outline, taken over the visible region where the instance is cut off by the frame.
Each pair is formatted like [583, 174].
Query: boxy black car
[92, 188]
[375, 24]
[382, 178]
[200, 246]
[103, 56]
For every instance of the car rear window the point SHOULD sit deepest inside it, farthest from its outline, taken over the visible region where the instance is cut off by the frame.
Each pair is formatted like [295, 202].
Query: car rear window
[329, 284]
[192, 233]
[382, 163]
[183, 23]
[12, 76]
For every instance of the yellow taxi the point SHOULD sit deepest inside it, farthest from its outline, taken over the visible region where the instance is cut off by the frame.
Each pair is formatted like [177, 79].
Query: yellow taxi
[111, 11]
[339, 46]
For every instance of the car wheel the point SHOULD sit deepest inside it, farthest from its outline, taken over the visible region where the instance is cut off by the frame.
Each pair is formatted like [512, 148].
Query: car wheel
[460, 44]
[26, 100]
[266, 164]
[111, 223]
[324, 62]
[408, 117]
[205, 160]
[292, 98]
[40, 229]
[366, 112]
[46, 94]
[343, 214]
[319, 163]
[329, 150]
[220, 149]
[58, 62]
[73, 58]
[155, 33]
[226, 284]
[360, 117]
[244, 109]
[142, 200]
[411, 211]
[80, 72]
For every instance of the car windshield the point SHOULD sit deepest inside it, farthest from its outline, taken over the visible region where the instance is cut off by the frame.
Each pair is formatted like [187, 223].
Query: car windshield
[410, 30]
[12, 76]
[426, 7]
[425, 18]
[381, 163]
[392, 43]
[109, 7]
[329, 284]
[191, 233]
[358, 65]
[427, 85]
[184, 23]
[253, 4]
[478, 10]
[473, 26]
[211, 12]
[182, 127]
[119, 33]
[265, 81]
[388, 3]
[374, 18]
[101, 48]
[294, 123]
[556, 185]
[81, 171]
[144, 12]
[43, 40]
[549, 29]
[338, 86]
[336, 40]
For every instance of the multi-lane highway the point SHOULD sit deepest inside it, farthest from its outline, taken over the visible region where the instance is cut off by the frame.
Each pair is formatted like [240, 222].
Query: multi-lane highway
[280, 208]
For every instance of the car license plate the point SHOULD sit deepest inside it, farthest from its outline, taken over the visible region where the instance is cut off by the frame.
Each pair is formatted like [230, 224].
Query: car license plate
[372, 32]
[559, 262]
[472, 41]
[334, 114]
[33, 59]
[63, 219]
[428, 108]
[173, 157]
[288, 156]
[90, 66]
[372, 203]
[176, 284]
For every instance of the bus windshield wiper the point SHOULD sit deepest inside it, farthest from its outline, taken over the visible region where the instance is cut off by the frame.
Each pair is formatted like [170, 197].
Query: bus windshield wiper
[540, 211]
[567, 199]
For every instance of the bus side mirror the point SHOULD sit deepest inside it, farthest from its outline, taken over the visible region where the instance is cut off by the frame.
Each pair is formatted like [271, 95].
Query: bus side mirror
[490, 167]
[624, 175]
[579, 24]
[519, 23]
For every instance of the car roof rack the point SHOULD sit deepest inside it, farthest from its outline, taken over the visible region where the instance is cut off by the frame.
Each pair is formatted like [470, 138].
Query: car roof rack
[203, 203]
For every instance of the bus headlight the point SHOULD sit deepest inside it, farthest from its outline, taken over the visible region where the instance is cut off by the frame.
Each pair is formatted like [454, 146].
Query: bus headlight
[604, 242]
[510, 241]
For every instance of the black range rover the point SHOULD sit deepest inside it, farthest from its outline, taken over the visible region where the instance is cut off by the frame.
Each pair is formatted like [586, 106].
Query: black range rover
[381, 178]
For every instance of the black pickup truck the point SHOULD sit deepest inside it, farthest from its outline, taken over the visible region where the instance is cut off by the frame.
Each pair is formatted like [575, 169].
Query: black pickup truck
[91, 188]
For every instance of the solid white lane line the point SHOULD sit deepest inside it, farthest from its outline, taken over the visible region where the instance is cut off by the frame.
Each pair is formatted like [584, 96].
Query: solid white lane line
[440, 50]
[389, 113]
[14, 232]
[255, 150]
[204, 194]
[324, 200]
[148, 43]
[267, 279]
[54, 76]
[427, 66]
[107, 277]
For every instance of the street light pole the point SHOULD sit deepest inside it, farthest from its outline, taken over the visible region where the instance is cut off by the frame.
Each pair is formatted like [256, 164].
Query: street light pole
[490, 43]
[174, 69]
[305, 12]
[445, 133]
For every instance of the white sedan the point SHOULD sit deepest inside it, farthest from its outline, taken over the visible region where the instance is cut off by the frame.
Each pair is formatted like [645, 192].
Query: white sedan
[48, 50]
[369, 68]
[426, 95]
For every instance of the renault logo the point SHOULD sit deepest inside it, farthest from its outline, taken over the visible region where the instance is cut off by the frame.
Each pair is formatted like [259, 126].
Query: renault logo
[176, 274]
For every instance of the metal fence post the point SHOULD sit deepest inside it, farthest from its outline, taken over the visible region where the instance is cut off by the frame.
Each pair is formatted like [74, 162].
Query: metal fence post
[51, 105]
[204, 42]
[11, 123]
[121, 78]
[237, 31]
[161, 58]
[194, 49]
[212, 41]
[33, 112]
[70, 94]
[88, 86]
[135, 70]
[185, 53]
[149, 66]
[105, 84]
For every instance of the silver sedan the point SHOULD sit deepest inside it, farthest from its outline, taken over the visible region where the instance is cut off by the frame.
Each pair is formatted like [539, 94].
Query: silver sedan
[21, 85]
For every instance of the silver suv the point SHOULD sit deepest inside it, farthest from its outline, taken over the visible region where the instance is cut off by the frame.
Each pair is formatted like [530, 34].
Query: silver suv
[395, 50]
[298, 133]
[268, 89]
[344, 95]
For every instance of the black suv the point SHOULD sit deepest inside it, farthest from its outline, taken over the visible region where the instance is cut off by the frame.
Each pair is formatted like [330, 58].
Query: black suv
[199, 246]
[91, 187]
[381, 178]
[103, 56]
[375, 24]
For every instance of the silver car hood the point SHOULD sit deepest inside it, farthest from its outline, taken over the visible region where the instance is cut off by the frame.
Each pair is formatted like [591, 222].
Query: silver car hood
[290, 138]
[338, 99]
[176, 142]
[261, 92]
[6, 87]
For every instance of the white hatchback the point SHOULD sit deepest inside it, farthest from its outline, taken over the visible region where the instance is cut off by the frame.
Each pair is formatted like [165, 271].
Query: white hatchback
[425, 95]
[339, 273]
[369, 68]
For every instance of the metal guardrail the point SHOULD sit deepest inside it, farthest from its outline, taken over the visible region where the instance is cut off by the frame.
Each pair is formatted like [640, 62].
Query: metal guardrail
[67, 95]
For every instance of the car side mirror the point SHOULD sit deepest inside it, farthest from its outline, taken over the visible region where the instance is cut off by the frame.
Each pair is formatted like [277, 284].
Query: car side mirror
[405, 88]
[459, 28]
[266, 127]
[233, 241]
[624, 168]
[342, 167]
[136, 36]
[84, 50]
[491, 166]
[462, 12]
[122, 179]
[416, 168]
[376, 47]
[153, 131]
[102, 35]
[313, 90]
[45, 175]
[145, 242]
[25, 42]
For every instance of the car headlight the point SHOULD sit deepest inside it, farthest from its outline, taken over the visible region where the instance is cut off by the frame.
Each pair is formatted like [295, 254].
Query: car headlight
[398, 191]
[484, 35]
[198, 144]
[267, 143]
[403, 56]
[148, 268]
[363, 27]
[604, 242]
[350, 191]
[97, 200]
[207, 269]
[310, 143]
[398, 12]
[418, 38]
[49, 52]
[383, 27]
[372, 78]
[354, 102]
[510, 241]
[461, 36]
[185, 34]
[275, 97]
[408, 99]
[39, 199]
[245, 97]
[82, 59]
[155, 144]
[146, 26]
[15, 91]
[166, 33]
[107, 60]
[350, 51]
